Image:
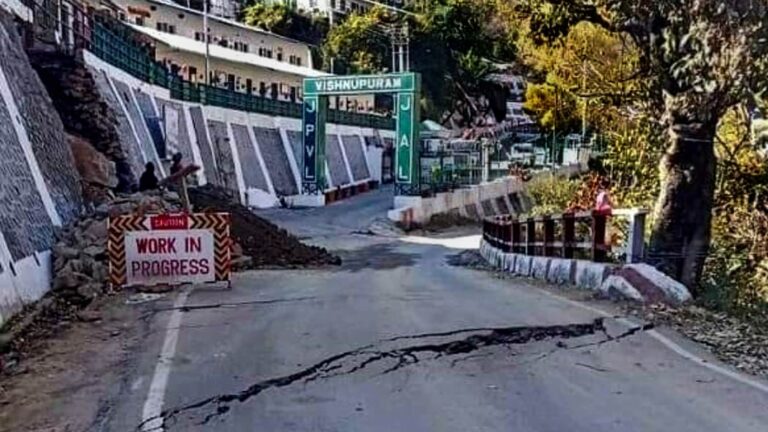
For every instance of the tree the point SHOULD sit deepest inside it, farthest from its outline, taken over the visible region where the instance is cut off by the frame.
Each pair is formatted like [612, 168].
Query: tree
[452, 44]
[280, 19]
[589, 65]
[359, 43]
[700, 57]
[554, 107]
[275, 17]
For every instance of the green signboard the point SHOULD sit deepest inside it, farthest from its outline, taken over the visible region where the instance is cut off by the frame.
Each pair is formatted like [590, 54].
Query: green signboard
[406, 156]
[313, 138]
[406, 87]
[338, 85]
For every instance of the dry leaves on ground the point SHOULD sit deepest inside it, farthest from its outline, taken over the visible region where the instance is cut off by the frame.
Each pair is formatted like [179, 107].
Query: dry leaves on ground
[738, 342]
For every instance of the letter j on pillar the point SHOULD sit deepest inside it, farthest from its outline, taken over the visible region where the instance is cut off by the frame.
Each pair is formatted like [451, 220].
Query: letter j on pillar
[309, 137]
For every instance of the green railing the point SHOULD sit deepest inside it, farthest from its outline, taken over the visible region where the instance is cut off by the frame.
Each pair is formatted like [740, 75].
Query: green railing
[115, 43]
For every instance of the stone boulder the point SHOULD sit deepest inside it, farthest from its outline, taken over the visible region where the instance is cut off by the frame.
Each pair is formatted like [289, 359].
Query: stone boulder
[93, 166]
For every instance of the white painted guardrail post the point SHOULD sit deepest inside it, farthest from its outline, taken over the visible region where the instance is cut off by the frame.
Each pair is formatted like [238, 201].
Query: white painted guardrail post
[636, 234]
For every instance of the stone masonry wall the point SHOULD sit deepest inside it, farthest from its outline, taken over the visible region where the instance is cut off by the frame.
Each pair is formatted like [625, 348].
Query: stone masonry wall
[43, 125]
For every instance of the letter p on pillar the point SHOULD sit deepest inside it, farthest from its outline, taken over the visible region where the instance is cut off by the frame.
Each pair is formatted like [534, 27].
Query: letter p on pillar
[308, 129]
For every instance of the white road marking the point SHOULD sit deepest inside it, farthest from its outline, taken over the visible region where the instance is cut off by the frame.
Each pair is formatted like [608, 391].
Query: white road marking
[153, 406]
[674, 347]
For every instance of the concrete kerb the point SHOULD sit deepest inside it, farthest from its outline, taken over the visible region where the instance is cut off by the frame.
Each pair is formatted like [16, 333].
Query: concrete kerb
[523, 265]
[561, 271]
[616, 286]
[590, 275]
[672, 290]
[539, 267]
[636, 282]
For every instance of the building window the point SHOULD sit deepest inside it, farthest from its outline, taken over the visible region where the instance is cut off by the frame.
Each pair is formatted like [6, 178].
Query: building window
[279, 54]
[199, 36]
[165, 27]
[181, 16]
[245, 47]
[140, 21]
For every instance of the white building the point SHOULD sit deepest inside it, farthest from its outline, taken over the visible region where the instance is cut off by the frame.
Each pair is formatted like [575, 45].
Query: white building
[241, 58]
[220, 8]
[340, 7]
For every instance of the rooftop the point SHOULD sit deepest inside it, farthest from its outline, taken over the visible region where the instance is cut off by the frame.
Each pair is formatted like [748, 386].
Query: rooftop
[173, 5]
[185, 44]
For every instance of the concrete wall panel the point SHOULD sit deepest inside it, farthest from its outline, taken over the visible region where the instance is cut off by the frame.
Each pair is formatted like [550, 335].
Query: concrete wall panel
[353, 147]
[335, 160]
[276, 160]
[252, 173]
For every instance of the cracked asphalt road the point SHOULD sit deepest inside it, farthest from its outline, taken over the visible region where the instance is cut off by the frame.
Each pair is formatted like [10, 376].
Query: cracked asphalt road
[399, 340]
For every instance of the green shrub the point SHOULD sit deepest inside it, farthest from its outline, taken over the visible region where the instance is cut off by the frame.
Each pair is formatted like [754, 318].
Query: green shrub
[551, 194]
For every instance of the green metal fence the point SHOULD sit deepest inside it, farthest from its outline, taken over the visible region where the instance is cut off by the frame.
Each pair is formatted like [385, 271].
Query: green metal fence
[115, 43]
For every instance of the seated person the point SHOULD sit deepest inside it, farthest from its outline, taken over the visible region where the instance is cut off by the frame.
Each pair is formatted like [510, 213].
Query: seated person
[148, 180]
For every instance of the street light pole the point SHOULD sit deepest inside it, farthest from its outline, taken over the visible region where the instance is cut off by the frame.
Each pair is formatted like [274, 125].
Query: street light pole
[207, 37]
[584, 102]
[330, 28]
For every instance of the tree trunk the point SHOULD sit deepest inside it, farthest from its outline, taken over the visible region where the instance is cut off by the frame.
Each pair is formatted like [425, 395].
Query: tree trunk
[683, 210]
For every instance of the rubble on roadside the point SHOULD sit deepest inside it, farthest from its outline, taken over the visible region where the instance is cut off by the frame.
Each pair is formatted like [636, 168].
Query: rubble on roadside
[80, 272]
[738, 342]
[80, 263]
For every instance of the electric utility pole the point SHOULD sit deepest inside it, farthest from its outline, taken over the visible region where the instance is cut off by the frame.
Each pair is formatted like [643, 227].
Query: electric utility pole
[400, 40]
[207, 36]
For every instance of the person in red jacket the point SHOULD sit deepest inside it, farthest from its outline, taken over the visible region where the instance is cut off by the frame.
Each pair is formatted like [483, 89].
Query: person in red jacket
[603, 203]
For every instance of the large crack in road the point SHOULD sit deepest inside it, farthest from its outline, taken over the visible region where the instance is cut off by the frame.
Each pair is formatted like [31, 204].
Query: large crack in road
[365, 357]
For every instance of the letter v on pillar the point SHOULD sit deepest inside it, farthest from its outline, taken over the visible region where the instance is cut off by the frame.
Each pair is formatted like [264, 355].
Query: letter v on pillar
[313, 138]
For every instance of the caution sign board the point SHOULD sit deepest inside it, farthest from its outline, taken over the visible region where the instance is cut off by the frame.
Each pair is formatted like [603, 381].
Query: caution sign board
[169, 249]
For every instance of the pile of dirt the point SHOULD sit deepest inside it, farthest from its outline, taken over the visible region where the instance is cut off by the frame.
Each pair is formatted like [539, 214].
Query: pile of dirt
[735, 341]
[265, 244]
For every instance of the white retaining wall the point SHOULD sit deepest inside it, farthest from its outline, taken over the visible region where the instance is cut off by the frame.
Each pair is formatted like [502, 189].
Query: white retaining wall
[25, 280]
[416, 210]
[248, 196]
